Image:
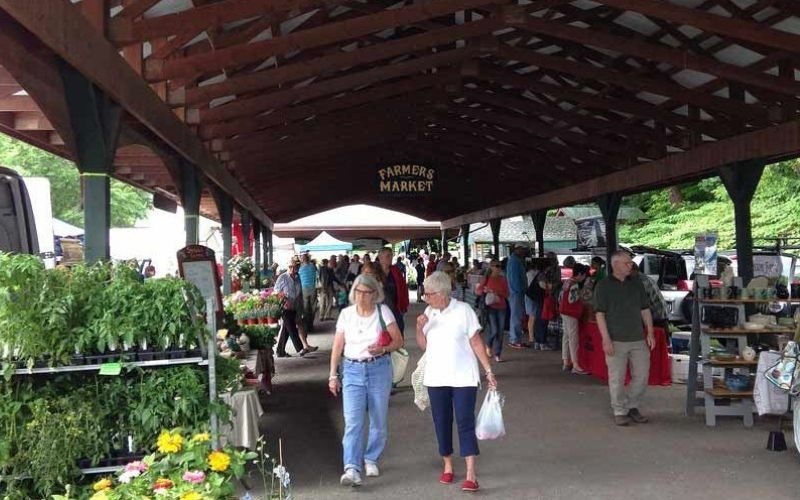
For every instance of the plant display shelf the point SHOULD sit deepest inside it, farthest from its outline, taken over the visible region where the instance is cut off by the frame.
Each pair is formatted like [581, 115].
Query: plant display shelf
[731, 363]
[724, 392]
[748, 301]
[96, 367]
[101, 470]
[745, 331]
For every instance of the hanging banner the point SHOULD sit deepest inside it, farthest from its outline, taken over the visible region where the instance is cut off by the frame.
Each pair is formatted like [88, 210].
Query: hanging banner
[705, 254]
[406, 180]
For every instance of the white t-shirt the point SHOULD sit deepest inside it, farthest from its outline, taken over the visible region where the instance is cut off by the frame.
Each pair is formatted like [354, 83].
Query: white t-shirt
[361, 332]
[449, 359]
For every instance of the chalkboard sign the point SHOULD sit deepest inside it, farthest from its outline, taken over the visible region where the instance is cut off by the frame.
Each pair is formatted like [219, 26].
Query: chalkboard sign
[198, 266]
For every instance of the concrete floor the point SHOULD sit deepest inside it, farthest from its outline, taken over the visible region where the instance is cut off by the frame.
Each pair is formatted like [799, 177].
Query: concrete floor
[561, 443]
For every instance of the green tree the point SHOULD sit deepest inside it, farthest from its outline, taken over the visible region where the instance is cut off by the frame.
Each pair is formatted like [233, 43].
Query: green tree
[128, 204]
[705, 206]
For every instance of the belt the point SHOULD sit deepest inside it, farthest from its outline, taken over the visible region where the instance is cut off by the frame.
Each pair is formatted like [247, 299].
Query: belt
[367, 360]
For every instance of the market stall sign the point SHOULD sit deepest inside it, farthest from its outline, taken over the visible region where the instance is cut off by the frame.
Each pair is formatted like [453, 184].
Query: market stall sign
[198, 265]
[406, 180]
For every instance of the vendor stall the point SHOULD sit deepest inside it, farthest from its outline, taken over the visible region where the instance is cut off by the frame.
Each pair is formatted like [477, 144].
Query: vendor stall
[592, 359]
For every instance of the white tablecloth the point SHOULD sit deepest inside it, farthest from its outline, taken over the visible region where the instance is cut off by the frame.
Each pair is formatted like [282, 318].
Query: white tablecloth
[246, 412]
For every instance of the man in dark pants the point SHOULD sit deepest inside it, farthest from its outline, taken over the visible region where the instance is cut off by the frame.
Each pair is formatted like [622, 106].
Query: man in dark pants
[287, 284]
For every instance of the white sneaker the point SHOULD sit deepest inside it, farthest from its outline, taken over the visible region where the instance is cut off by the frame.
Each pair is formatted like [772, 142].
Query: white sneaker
[351, 477]
[372, 470]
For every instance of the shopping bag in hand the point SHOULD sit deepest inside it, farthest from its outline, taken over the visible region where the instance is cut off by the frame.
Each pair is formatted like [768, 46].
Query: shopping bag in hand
[490, 419]
[420, 391]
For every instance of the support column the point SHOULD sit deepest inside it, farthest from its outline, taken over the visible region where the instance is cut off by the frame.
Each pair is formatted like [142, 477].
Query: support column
[465, 243]
[257, 251]
[244, 220]
[609, 206]
[741, 180]
[495, 225]
[268, 256]
[191, 188]
[444, 241]
[225, 209]
[539, 218]
[96, 122]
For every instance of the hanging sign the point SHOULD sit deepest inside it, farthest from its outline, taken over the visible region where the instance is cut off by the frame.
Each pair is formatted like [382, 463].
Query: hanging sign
[406, 180]
[705, 254]
[198, 265]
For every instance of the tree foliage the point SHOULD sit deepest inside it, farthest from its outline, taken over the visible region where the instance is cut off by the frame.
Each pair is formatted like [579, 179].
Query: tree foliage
[128, 204]
[706, 206]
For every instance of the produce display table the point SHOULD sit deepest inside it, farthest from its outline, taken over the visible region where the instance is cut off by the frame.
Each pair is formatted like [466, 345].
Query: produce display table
[592, 358]
[246, 412]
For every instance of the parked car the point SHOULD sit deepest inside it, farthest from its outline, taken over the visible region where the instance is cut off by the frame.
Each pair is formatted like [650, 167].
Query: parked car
[17, 227]
[668, 269]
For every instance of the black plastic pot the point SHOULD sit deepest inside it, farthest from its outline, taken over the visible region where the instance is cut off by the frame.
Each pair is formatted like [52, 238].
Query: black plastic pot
[94, 359]
[161, 355]
[177, 354]
[194, 353]
[146, 355]
[77, 359]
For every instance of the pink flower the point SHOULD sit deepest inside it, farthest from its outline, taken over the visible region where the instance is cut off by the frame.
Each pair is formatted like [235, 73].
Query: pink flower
[136, 466]
[194, 476]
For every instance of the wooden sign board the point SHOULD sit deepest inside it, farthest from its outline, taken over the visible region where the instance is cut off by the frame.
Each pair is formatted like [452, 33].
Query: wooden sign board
[198, 266]
[406, 180]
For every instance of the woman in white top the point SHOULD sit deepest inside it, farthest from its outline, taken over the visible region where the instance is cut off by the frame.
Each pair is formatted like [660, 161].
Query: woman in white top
[448, 333]
[366, 376]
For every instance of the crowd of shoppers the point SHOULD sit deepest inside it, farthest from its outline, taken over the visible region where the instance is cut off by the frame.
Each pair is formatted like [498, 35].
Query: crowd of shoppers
[457, 346]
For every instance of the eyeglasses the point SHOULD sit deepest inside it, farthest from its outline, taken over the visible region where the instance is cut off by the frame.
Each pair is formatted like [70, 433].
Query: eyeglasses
[430, 294]
[365, 292]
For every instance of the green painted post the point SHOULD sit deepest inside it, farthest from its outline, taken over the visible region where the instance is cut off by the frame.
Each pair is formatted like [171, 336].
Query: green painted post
[191, 189]
[539, 218]
[244, 219]
[609, 204]
[225, 209]
[494, 224]
[741, 181]
[257, 251]
[96, 122]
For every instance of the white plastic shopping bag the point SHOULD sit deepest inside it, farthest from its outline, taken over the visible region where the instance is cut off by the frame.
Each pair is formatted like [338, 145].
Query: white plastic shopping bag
[490, 419]
[399, 365]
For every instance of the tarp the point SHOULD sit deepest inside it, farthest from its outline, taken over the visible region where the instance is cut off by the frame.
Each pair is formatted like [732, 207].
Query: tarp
[61, 228]
[325, 243]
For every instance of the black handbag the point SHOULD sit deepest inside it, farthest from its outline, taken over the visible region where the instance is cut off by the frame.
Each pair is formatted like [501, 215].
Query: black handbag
[719, 317]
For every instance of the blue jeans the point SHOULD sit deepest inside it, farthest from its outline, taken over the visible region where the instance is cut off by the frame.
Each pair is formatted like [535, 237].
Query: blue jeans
[516, 304]
[443, 401]
[539, 325]
[497, 323]
[365, 392]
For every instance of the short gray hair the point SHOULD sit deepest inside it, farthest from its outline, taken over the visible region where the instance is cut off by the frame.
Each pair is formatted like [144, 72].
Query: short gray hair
[438, 282]
[369, 282]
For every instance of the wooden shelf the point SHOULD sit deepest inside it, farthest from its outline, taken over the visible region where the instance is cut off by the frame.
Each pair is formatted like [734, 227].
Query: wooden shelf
[745, 331]
[748, 301]
[733, 362]
[96, 367]
[724, 392]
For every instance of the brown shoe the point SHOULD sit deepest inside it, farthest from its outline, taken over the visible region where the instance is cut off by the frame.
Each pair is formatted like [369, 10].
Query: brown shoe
[637, 417]
[622, 420]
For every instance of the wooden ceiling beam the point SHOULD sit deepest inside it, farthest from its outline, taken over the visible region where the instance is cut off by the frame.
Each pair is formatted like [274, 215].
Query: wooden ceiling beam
[321, 142]
[404, 105]
[6, 78]
[283, 98]
[296, 113]
[334, 62]
[676, 57]
[27, 120]
[18, 103]
[735, 28]
[501, 98]
[65, 32]
[639, 108]
[752, 113]
[326, 34]
[135, 8]
[770, 144]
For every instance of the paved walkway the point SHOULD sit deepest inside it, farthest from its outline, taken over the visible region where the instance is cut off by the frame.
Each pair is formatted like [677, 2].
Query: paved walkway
[561, 443]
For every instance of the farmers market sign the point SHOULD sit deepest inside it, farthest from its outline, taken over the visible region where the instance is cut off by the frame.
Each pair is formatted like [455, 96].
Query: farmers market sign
[406, 180]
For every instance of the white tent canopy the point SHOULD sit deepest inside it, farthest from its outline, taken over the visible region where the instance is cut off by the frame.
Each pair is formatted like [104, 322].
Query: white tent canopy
[325, 242]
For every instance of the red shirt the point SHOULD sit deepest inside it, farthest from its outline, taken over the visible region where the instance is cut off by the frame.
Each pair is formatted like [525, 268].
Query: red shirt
[499, 285]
